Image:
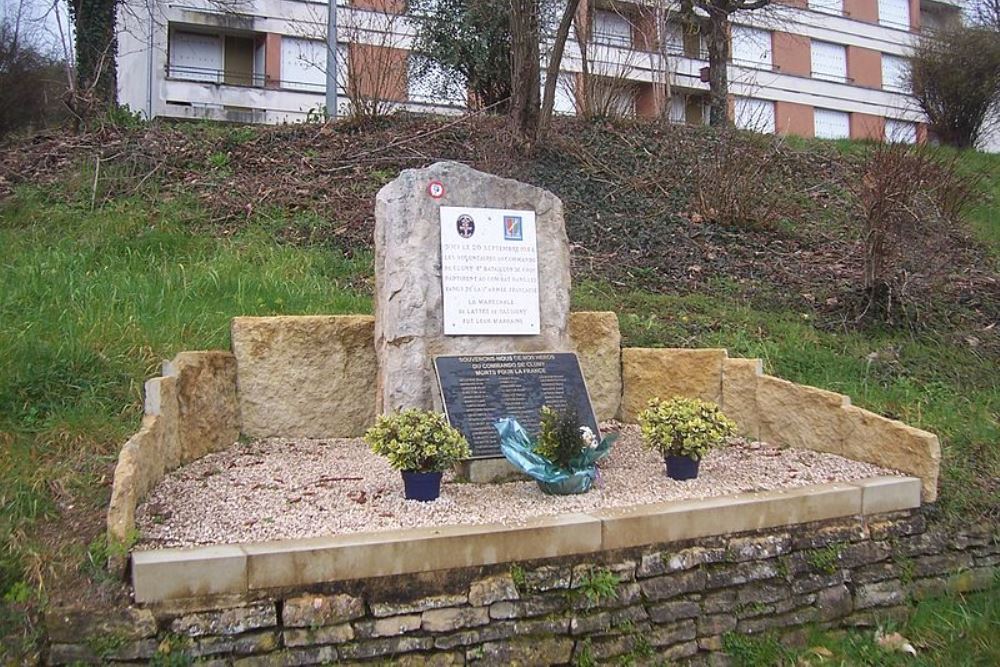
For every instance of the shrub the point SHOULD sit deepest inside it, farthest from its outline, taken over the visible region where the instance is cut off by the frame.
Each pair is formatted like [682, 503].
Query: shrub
[417, 440]
[739, 184]
[562, 439]
[955, 77]
[684, 426]
[907, 199]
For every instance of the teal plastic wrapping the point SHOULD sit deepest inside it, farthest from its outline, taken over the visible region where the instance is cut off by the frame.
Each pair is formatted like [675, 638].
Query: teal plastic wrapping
[518, 448]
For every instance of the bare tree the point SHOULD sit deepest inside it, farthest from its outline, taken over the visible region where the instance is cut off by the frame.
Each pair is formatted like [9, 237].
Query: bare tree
[604, 87]
[555, 60]
[987, 14]
[717, 27]
[30, 89]
[525, 77]
[955, 78]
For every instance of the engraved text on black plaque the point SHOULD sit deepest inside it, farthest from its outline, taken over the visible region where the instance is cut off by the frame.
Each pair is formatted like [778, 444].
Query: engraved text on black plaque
[479, 389]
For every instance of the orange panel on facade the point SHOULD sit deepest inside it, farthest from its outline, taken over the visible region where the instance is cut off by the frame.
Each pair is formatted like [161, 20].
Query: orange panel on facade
[379, 72]
[386, 6]
[867, 126]
[862, 10]
[791, 118]
[646, 103]
[915, 15]
[790, 53]
[272, 60]
[864, 67]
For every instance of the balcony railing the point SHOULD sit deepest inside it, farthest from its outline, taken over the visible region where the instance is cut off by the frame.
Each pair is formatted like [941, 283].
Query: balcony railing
[218, 76]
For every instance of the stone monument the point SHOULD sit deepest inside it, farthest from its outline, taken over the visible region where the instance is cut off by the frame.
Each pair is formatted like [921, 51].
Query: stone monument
[496, 233]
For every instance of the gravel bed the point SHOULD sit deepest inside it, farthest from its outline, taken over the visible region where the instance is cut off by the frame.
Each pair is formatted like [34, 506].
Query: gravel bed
[284, 489]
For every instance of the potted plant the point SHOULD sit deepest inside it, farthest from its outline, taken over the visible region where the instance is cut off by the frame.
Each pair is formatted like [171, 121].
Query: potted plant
[684, 430]
[421, 445]
[563, 459]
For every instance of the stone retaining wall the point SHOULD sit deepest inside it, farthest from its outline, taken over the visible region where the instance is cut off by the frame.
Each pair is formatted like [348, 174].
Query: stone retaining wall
[315, 376]
[674, 601]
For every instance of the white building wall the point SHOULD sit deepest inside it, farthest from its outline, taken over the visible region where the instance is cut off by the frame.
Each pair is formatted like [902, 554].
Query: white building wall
[145, 84]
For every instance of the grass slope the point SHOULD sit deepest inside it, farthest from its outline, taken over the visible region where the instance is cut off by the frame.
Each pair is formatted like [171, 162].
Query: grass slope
[97, 288]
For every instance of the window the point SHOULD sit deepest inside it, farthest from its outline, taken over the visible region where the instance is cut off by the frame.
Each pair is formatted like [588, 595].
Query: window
[612, 29]
[827, 6]
[895, 73]
[673, 38]
[900, 131]
[894, 13]
[830, 124]
[751, 47]
[829, 61]
[234, 59]
[196, 57]
[429, 83]
[753, 114]
[303, 64]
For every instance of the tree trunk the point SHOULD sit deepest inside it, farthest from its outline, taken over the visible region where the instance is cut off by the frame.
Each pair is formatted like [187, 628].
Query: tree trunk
[718, 61]
[525, 68]
[555, 60]
[96, 51]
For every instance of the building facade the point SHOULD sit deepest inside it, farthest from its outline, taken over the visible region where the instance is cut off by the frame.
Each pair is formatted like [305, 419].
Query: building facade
[813, 68]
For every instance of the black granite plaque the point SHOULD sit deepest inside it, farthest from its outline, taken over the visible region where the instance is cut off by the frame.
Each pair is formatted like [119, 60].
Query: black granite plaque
[479, 389]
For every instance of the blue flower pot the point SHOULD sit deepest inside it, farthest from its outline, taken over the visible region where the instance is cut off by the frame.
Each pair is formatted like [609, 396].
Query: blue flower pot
[423, 486]
[681, 467]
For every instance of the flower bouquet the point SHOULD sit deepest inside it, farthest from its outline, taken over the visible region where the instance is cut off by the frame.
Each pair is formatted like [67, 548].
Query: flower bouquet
[564, 457]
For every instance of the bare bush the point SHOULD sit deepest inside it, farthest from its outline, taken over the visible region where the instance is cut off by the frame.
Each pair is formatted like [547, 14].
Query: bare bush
[955, 78]
[907, 200]
[735, 185]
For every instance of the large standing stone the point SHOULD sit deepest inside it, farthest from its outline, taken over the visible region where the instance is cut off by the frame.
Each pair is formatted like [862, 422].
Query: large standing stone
[409, 325]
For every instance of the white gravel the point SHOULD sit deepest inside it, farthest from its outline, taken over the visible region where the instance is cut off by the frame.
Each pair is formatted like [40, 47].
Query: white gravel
[282, 489]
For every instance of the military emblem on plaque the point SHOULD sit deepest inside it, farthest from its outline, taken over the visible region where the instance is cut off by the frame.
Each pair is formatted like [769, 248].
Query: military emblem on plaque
[466, 226]
[512, 228]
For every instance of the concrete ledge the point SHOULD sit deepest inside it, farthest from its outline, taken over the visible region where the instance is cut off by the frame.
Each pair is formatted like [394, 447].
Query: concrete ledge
[688, 519]
[293, 563]
[175, 574]
[168, 574]
[889, 494]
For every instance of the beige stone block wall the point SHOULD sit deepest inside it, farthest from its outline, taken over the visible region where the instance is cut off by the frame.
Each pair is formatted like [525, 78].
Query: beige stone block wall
[739, 394]
[189, 412]
[140, 467]
[665, 372]
[893, 444]
[778, 411]
[311, 376]
[208, 415]
[798, 416]
[598, 343]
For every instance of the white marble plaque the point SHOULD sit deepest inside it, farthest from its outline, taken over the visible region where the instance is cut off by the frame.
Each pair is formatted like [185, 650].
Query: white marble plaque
[489, 272]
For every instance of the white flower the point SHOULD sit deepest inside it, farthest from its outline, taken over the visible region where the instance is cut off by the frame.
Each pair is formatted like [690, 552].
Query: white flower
[588, 437]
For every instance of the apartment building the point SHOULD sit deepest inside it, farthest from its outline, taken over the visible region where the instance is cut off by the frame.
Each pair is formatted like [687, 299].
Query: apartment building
[823, 68]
